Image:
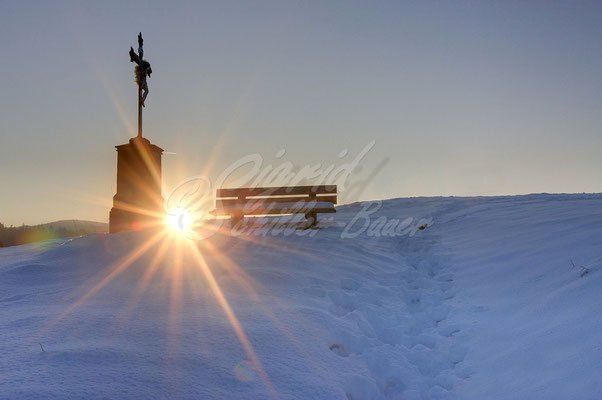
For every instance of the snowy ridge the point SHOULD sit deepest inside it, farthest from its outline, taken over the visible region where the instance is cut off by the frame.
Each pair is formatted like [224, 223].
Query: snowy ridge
[484, 303]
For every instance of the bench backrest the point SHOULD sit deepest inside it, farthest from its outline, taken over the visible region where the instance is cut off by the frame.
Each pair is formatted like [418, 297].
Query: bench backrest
[270, 195]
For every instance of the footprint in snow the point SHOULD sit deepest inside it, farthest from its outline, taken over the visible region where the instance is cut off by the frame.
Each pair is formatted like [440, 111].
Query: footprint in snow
[350, 284]
[448, 331]
[339, 350]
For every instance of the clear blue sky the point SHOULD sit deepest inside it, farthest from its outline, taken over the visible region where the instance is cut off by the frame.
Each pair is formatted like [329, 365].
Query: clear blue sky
[462, 98]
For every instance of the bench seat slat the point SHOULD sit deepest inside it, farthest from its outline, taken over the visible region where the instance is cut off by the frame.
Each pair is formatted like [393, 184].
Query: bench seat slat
[277, 208]
[268, 211]
[277, 191]
[220, 203]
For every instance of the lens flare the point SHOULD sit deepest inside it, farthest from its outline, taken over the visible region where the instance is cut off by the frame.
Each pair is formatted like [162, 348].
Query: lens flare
[179, 219]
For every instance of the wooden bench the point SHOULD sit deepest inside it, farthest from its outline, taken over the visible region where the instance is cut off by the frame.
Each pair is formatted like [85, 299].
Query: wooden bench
[308, 200]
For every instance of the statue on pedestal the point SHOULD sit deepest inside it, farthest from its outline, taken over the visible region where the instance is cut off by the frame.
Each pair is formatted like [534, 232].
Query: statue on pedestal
[138, 202]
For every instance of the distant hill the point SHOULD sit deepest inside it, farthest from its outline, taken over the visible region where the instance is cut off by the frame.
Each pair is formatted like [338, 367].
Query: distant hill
[13, 236]
[74, 224]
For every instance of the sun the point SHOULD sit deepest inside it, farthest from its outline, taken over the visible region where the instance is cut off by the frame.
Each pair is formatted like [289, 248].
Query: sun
[179, 219]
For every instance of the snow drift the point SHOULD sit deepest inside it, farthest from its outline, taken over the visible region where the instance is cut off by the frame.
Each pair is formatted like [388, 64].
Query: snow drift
[497, 298]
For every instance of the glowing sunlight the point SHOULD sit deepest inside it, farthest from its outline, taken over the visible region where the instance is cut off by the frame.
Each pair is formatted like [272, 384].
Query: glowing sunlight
[179, 219]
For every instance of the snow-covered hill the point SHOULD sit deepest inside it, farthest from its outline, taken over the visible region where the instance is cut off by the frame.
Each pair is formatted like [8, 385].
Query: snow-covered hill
[485, 303]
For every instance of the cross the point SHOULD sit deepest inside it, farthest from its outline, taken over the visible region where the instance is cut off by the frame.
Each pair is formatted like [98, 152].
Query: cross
[141, 71]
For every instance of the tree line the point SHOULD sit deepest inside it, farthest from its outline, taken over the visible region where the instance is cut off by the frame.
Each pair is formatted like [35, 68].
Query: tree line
[14, 236]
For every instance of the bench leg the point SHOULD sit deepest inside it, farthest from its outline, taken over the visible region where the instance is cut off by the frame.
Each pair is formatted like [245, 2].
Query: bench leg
[312, 218]
[235, 219]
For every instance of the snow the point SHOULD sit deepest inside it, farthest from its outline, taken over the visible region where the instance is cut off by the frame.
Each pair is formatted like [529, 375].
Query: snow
[483, 304]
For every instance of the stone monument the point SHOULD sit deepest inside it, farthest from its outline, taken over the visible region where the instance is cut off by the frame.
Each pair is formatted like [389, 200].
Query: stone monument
[138, 202]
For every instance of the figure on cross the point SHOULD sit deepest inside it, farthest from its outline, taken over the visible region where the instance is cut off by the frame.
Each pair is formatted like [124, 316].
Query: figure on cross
[142, 69]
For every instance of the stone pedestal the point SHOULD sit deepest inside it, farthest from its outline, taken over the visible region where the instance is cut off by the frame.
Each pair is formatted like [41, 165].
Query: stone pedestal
[138, 202]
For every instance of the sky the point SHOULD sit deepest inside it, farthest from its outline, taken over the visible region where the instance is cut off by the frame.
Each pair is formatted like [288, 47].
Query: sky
[459, 98]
